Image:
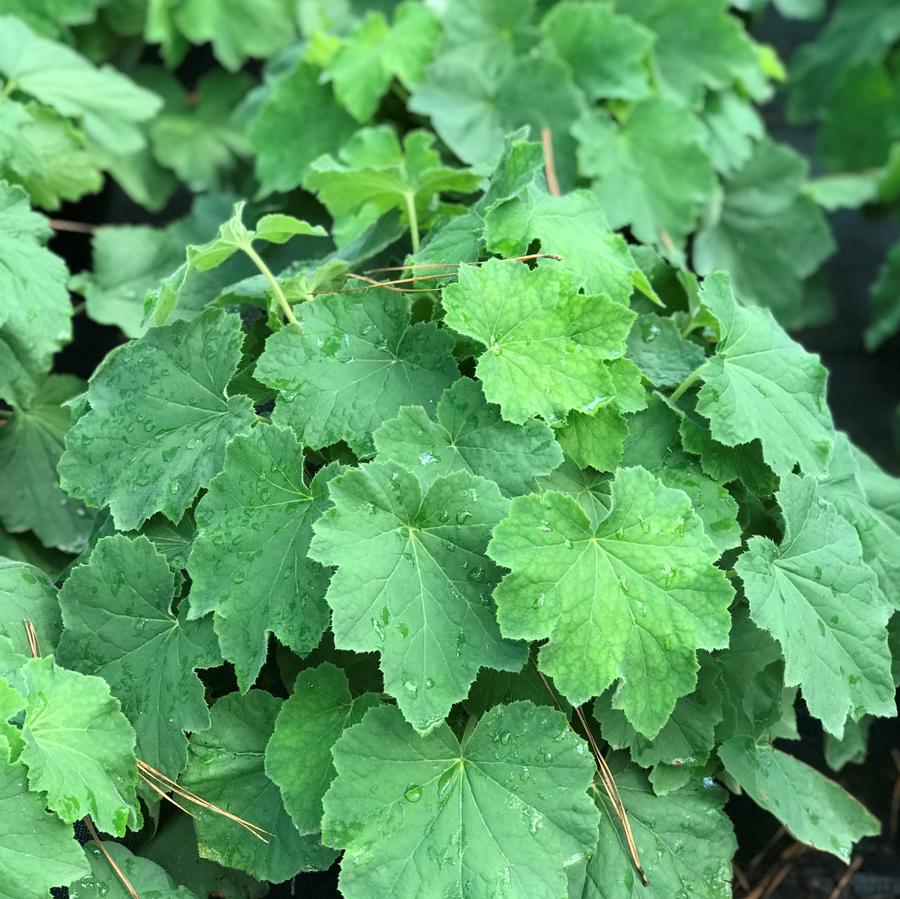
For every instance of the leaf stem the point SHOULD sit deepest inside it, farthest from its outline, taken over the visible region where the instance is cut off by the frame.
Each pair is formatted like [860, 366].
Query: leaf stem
[686, 384]
[410, 198]
[259, 262]
[9, 87]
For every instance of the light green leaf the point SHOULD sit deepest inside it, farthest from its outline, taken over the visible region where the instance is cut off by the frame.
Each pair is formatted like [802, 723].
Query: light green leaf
[508, 806]
[11, 703]
[595, 439]
[374, 53]
[766, 232]
[684, 840]
[249, 563]
[469, 435]
[159, 421]
[235, 237]
[573, 227]
[50, 17]
[109, 106]
[733, 127]
[284, 149]
[762, 385]
[869, 499]
[374, 174]
[27, 593]
[49, 157]
[200, 138]
[298, 756]
[851, 748]
[37, 851]
[632, 598]
[474, 106]
[814, 809]
[226, 767]
[30, 447]
[650, 172]
[606, 51]
[35, 317]
[352, 363]
[821, 602]
[414, 583]
[79, 747]
[653, 442]
[119, 625]
[697, 46]
[235, 30]
[130, 260]
[587, 487]
[546, 345]
[149, 879]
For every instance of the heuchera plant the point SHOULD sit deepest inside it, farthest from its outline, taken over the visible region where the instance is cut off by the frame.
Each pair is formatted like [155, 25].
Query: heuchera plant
[463, 542]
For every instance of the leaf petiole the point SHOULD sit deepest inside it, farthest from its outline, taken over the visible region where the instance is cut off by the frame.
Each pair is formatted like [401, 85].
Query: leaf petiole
[410, 199]
[259, 262]
[686, 384]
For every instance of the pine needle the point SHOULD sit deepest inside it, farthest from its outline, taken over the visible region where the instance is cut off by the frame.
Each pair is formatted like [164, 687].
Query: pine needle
[606, 778]
[129, 888]
[148, 772]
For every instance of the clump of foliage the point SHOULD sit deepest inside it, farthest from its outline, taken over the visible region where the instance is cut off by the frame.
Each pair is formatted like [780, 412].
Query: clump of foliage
[457, 508]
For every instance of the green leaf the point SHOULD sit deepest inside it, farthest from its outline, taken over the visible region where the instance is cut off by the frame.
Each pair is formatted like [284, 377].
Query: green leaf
[236, 31]
[35, 318]
[688, 737]
[235, 237]
[374, 174]
[159, 421]
[821, 602]
[587, 487]
[733, 127]
[664, 357]
[119, 625]
[414, 583]
[27, 593]
[200, 138]
[11, 703]
[508, 806]
[684, 840]
[469, 435]
[353, 362]
[857, 32]
[653, 442]
[130, 260]
[851, 748]
[631, 598]
[108, 105]
[861, 120]
[298, 756]
[595, 439]
[474, 106]
[50, 17]
[573, 227]
[254, 527]
[149, 879]
[546, 345]
[650, 172]
[606, 51]
[374, 53]
[814, 809]
[37, 851]
[174, 846]
[697, 46]
[762, 385]
[79, 747]
[284, 151]
[885, 302]
[870, 500]
[226, 767]
[47, 156]
[766, 232]
[30, 447]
